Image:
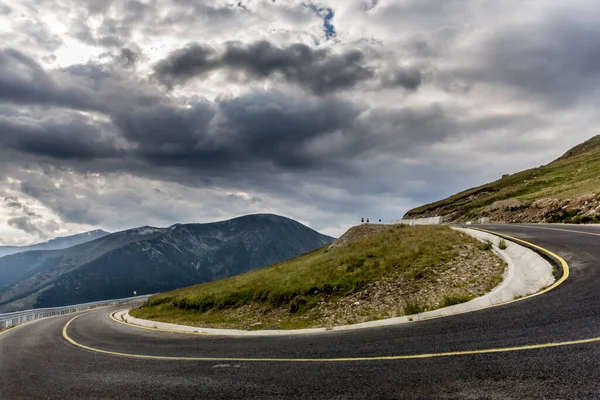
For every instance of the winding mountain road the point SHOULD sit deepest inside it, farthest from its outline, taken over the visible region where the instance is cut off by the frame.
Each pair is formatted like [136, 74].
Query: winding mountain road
[500, 356]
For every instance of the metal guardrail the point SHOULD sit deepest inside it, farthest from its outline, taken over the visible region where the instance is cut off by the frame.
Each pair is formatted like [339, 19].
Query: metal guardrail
[15, 318]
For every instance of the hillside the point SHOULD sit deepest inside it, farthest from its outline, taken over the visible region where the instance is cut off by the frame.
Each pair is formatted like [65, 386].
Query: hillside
[150, 260]
[55, 244]
[565, 190]
[371, 272]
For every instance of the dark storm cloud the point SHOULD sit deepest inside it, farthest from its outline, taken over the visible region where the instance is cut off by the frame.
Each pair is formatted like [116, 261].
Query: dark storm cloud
[24, 81]
[25, 224]
[321, 71]
[128, 57]
[556, 62]
[279, 129]
[165, 131]
[186, 63]
[72, 137]
[263, 129]
[84, 87]
[240, 139]
[260, 130]
[408, 78]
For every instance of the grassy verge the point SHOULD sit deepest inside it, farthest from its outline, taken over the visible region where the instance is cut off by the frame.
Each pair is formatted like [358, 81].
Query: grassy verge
[378, 272]
[575, 174]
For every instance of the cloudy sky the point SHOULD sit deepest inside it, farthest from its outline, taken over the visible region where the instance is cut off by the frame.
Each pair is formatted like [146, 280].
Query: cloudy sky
[116, 114]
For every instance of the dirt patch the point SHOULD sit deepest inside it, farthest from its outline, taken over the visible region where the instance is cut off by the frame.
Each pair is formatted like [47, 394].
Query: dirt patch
[504, 205]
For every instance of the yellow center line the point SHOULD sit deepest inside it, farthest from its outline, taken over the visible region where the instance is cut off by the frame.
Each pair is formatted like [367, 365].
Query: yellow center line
[563, 263]
[2, 332]
[340, 359]
[565, 275]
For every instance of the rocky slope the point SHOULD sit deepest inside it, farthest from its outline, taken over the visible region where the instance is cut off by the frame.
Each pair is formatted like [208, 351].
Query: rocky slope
[150, 260]
[565, 190]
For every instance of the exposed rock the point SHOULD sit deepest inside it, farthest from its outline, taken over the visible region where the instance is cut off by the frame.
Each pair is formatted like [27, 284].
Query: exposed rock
[504, 205]
[581, 209]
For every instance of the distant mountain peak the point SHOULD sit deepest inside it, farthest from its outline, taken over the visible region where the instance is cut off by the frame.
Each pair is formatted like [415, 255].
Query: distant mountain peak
[149, 259]
[57, 243]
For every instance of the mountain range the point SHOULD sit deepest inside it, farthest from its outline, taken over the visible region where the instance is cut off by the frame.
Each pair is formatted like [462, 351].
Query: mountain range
[56, 243]
[149, 260]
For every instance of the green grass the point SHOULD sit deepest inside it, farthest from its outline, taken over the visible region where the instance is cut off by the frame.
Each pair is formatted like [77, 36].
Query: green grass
[502, 244]
[453, 300]
[413, 308]
[486, 245]
[299, 284]
[574, 174]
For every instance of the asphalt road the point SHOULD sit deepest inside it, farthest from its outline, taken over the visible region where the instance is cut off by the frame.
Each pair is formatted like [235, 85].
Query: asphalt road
[37, 362]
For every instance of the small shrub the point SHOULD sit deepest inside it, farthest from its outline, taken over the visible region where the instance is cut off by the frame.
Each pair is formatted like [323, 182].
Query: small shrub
[487, 245]
[502, 245]
[564, 216]
[298, 303]
[453, 300]
[413, 307]
[589, 220]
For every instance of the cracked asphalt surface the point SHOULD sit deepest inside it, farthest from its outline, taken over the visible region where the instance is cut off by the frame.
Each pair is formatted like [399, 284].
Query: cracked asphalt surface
[36, 362]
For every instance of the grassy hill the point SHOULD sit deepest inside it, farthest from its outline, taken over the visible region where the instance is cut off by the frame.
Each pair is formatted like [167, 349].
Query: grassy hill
[371, 272]
[565, 190]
